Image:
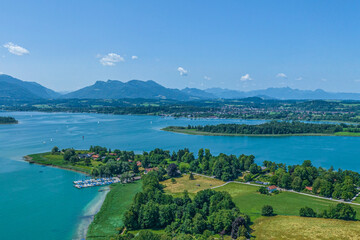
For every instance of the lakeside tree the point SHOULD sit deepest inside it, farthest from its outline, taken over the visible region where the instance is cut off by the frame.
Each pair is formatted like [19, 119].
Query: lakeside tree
[68, 154]
[55, 150]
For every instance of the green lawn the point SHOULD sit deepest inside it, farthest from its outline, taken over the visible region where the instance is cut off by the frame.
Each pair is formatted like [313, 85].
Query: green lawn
[58, 161]
[111, 213]
[249, 201]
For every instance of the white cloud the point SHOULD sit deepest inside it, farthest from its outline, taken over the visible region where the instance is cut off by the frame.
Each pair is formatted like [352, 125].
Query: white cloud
[281, 75]
[246, 77]
[357, 80]
[324, 79]
[110, 59]
[207, 78]
[299, 79]
[15, 49]
[134, 57]
[182, 71]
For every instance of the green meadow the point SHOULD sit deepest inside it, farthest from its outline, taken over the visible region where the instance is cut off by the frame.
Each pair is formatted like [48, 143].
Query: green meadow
[57, 160]
[110, 216]
[249, 201]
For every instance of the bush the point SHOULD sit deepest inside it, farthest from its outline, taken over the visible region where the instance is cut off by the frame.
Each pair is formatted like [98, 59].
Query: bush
[191, 177]
[248, 177]
[276, 192]
[263, 190]
[307, 212]
[68, 154]
[267, 210]
[173, 181]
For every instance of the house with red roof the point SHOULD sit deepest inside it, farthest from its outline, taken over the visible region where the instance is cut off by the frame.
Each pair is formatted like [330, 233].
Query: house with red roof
[150, 169]
[308, 188]
[272, 188]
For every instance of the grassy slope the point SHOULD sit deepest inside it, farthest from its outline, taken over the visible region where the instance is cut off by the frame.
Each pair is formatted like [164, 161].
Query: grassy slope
[249, 201]
[110, 215]
[183, 183]
[195, 132]
[290, 227]
[58, 161]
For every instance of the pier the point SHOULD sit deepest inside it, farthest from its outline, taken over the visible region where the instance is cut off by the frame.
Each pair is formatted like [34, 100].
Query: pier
[95, 182]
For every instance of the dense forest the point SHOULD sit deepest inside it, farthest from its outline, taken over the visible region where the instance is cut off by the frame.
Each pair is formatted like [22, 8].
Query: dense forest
[7, 120]
[209, 212]
[247, 108]
[274, 128]
[340, 184]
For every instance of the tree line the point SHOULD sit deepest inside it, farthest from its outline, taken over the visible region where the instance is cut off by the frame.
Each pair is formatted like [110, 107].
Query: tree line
[7, 120]
[276, 128]
[338, 184]
[339, 211]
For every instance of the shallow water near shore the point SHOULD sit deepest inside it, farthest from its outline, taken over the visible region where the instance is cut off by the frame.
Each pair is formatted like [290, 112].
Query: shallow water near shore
[39, 202]
[88, 214]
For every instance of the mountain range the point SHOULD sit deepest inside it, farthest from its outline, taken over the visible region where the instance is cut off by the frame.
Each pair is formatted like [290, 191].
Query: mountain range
[13, 88]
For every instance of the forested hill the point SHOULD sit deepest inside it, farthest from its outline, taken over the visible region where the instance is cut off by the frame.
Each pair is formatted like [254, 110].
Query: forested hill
[271, 128]
[8, 120]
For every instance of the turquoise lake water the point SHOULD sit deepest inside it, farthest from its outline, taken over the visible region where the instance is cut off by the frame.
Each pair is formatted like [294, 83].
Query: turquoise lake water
[40, 203]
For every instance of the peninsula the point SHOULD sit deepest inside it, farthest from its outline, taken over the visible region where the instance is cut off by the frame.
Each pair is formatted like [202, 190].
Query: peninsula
[184, 193]
[270, 129]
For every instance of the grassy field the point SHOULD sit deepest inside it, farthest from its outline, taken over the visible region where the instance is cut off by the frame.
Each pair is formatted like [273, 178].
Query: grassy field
[249, 201]
[348, 134]
[183, 183]
[290, 227]
[195, 132]
[110, 215]
[58, 161]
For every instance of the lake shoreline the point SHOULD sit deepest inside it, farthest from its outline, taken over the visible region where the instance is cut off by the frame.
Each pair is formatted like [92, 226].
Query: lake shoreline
[192, 132]
[30, 160]
[93, 208]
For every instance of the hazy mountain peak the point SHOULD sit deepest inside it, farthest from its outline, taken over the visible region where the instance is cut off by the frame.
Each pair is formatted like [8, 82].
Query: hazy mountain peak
[13, 88]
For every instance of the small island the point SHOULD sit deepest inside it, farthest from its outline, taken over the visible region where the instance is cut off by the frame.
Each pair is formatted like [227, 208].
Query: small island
[8, 120]
[270, 129]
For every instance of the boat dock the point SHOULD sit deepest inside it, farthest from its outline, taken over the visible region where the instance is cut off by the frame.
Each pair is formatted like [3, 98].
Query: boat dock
[95, 182]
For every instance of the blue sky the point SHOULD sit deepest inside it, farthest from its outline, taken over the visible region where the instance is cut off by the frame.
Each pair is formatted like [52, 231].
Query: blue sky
[244, 45]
